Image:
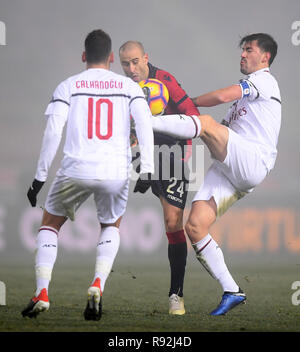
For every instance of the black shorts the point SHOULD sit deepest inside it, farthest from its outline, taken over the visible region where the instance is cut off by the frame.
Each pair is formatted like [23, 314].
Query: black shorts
[170, 180]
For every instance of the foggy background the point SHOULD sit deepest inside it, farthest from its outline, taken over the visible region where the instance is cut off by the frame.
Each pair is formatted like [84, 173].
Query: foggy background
[196, 41]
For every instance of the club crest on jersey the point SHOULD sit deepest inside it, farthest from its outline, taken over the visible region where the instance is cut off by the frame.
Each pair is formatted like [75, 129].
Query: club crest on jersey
[237, 113]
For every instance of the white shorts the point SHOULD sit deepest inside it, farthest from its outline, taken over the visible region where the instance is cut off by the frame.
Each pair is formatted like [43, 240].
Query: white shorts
[67, 194]
[230, 180]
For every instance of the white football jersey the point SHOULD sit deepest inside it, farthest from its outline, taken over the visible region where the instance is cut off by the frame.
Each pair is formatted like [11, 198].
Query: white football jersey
[257, 115]
[97, 105]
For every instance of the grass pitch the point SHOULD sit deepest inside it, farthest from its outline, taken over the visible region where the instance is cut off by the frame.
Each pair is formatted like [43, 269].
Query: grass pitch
[136, 297]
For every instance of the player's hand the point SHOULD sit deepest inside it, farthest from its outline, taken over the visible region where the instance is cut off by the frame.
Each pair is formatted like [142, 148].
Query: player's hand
[33, 191]
[142, 184]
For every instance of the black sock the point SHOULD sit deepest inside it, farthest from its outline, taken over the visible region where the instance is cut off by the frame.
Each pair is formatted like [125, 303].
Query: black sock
[177, 254]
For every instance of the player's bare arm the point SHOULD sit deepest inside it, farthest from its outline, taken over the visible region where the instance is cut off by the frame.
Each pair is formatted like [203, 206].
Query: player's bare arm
[219, 96]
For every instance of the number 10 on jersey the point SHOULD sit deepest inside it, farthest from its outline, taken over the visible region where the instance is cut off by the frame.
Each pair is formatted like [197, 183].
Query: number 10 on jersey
[100, 115]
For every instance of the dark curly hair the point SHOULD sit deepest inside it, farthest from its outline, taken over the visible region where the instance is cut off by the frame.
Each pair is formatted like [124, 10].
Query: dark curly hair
[264, 41]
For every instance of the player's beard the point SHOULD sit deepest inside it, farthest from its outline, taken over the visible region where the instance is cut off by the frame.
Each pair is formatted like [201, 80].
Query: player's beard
[243, 68]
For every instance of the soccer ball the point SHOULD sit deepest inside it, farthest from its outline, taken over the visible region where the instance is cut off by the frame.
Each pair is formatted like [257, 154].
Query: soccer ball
[156, 94]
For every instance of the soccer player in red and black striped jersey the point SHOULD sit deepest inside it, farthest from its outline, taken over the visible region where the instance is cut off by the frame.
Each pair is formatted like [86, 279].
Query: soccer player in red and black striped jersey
[173, 191]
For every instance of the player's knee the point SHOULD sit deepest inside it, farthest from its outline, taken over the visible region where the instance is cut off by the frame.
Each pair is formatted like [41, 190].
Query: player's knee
[206, 118]
[173, 216]
[173, 220]
[207, 123]
[53, 220]
[173, 224]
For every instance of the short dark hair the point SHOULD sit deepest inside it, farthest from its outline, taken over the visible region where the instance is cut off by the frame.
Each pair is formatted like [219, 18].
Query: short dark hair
[97, 46]
[264, 41]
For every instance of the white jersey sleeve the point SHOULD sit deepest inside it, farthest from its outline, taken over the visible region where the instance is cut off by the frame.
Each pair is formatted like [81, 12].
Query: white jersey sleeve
[141, 114]
[249, 90]
[60, 102]
[51, 141]
[260, 87]
[56, 114]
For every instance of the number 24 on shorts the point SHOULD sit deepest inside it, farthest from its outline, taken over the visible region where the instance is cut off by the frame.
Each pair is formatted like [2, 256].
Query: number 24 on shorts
[173, 182]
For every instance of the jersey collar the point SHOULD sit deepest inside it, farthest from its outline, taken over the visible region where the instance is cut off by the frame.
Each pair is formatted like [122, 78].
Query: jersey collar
[265, 69]
[152, 70]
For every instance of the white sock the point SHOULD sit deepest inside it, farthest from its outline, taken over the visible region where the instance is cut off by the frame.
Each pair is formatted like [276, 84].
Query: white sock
[107, 249]
[45, 256]
[178, 126]
[211, 257]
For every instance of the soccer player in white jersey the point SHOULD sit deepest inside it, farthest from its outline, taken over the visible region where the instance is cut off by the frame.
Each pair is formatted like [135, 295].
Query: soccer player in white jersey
[96, 104]
[243, 148]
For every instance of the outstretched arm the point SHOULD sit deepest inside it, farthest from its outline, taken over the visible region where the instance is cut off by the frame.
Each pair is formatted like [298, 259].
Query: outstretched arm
[220, 96]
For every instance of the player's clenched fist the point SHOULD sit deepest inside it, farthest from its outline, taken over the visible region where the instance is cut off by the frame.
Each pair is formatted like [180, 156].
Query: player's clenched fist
[34, 190]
